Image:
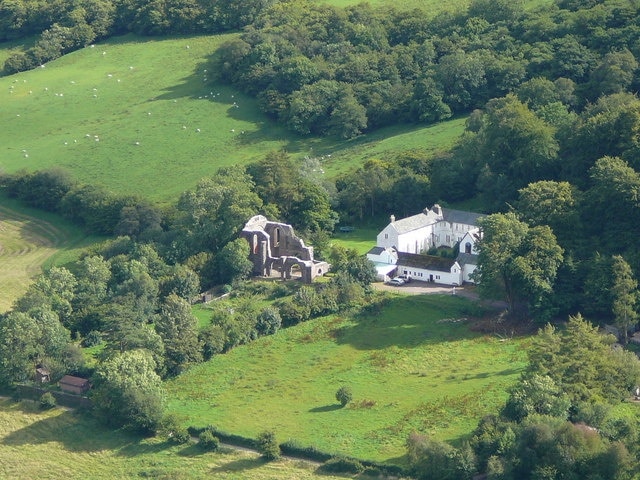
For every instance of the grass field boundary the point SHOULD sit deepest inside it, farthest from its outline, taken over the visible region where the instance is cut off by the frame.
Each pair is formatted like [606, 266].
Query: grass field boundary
[292, 450]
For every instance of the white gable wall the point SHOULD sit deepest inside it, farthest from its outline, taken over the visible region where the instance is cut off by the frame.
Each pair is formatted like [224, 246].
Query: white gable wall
[388, 237]
[467, 270]
[469, 238]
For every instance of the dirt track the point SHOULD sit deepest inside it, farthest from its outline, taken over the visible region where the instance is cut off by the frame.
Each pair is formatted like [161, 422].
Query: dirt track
[424, 288]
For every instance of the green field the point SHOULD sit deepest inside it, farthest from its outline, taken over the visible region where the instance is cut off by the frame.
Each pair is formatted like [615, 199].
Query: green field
[408, 369]
[29, 240]
[143, 116]
[60, 444]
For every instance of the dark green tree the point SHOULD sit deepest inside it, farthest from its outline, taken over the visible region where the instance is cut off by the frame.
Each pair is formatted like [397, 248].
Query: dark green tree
[128, 393]
[624, 290]
[517, 263]
[178, 328]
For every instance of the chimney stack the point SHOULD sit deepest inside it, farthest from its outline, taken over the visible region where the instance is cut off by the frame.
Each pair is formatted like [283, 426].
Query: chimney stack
[392, 218]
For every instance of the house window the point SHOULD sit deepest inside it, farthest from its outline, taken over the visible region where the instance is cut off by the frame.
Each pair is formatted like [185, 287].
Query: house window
[276, 237]
[455, 270]
[255, 243]
[467, 247]
[386, 236]
[437, 277]
[448, 239]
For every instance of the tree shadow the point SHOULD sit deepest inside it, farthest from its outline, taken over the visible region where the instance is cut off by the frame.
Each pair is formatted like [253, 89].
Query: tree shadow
[192, 450]
[240, 465]
[408, 322]
[326, 408]
[74, 431]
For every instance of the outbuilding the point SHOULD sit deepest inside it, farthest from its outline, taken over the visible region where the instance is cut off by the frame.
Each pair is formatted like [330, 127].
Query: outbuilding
[77, 385]
[430, 268]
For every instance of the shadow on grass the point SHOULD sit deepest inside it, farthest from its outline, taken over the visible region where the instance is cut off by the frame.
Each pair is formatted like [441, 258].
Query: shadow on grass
[408, 322]
[74, 431]
[326, 408]
[240, 465]
[77, 432]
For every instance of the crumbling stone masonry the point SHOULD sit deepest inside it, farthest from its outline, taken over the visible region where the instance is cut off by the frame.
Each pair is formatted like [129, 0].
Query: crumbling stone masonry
[274, 245]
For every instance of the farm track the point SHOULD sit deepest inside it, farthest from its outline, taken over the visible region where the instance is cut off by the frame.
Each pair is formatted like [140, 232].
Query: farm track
[25, 244]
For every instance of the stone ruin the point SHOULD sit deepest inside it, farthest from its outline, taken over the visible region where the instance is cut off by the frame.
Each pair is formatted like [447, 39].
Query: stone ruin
[274, 246]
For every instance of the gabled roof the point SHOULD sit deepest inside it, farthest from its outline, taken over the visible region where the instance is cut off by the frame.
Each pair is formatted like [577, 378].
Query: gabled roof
[467, 259]
[429, 217]
[375, 251]
[460, 216]
[414, 222]
[426, 262]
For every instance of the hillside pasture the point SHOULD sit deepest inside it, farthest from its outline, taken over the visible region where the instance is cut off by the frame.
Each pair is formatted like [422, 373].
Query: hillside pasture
[62, 444]
[146, 116]
[414, 365]
[29, 240]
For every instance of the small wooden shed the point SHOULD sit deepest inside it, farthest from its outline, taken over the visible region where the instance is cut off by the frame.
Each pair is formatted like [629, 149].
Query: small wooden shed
[77, 385]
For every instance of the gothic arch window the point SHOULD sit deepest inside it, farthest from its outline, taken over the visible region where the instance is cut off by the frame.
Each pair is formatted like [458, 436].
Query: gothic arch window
[255, 243]
[467, 247]
[276, 237]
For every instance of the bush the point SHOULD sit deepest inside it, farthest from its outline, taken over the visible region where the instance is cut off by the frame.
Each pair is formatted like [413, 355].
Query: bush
[208, 441]
[47, 401]
[92, 339]
[344, 395]
[269, 321]
[174, 432]
[342, 465]
[268, 446]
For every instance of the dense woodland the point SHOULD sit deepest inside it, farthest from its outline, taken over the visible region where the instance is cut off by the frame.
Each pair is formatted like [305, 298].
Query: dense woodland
[550, 151]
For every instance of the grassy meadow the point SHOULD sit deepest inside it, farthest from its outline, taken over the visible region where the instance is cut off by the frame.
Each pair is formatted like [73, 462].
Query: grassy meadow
[145, 116]
[29, 240]
[410, 368]
[61, 444]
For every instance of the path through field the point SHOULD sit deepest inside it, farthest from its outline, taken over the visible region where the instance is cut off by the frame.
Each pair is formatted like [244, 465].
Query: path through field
[25, 244]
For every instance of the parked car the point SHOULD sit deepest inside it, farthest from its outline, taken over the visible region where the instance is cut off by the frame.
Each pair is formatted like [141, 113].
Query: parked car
[396, 282]
[406, 278]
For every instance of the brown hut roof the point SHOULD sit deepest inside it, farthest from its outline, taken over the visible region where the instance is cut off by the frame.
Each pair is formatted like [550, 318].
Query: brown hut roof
[75, 381]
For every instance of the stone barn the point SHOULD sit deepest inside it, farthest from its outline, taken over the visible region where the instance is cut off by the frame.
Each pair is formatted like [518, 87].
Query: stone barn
[275, 246]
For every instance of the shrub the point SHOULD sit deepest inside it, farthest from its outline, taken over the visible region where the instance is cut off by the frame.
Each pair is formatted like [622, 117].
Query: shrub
[47, 401]
[208, 441]
[269, 321]
[342, 465]
[92, 339]
[268, 446]
[174, 432]
[344, 395]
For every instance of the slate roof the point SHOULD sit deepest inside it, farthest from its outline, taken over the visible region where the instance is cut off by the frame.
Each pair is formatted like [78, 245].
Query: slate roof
[467, 259]
[422, 219]
[414, 222]
[376, 251]
[425, 262]
[460, 216]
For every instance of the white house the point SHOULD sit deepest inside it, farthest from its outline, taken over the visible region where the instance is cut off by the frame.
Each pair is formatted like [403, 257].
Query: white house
[430, 268]
[435, 227]
[468, 255]
[385, 260]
